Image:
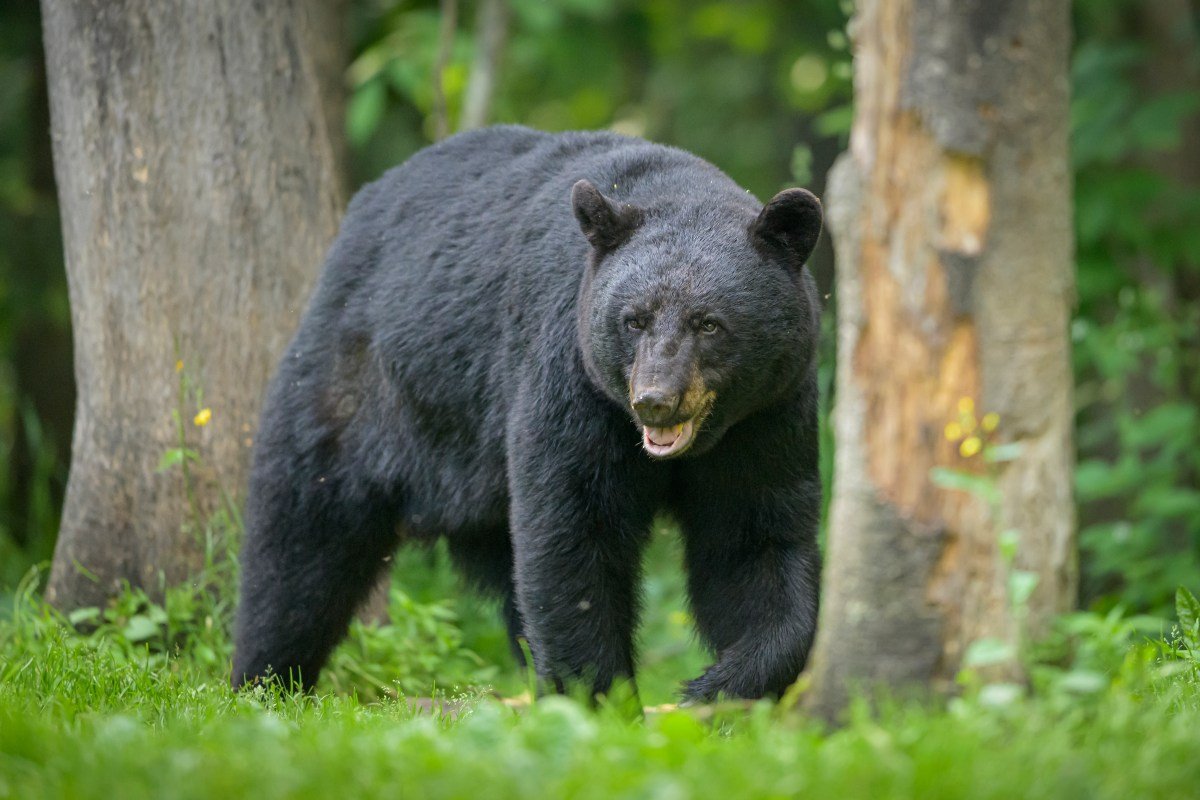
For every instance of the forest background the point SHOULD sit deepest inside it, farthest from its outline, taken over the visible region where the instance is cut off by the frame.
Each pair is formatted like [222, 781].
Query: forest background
[129, 696]
[762, 89]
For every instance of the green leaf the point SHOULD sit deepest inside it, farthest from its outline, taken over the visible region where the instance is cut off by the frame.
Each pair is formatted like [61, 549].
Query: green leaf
[1096, 478]
[1001, 695]
[1007, 542]
[1021, 584]
[1082, 681]
[139, 629]
[980, 486]
[206, 654]
[1169, 502]
[1188, 609]
[802, 157]
[1165, 423]
[988, 651]
[835, 122]
[1158, 123]
[174, 456]
[86, 614]
[365, 110]
[1000, 453]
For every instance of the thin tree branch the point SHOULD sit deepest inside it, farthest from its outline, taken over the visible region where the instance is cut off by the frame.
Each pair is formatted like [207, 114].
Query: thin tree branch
[441, 117]
[491, 35]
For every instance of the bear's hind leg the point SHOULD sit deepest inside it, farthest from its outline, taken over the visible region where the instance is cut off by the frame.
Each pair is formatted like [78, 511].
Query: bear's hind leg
[486, 561]
[312, 555]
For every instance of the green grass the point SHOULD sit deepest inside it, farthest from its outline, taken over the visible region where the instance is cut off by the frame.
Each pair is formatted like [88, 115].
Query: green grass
[140, 707]
[77, 722]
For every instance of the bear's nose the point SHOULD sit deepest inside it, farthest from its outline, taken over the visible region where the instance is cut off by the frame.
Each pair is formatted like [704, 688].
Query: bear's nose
[656, 407]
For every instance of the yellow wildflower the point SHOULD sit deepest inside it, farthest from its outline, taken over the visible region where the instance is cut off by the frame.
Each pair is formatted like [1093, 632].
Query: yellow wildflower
[179, 366]
[966, 406]
[990, 421]
[202, 418]
[970, 446]
[953, 431]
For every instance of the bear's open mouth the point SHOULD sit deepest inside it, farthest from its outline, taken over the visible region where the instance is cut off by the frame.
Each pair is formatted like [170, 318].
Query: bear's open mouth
[663, 442]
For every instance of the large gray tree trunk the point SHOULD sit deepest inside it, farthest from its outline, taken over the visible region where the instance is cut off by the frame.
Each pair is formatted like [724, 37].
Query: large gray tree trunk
[951, 216]
[199, 191]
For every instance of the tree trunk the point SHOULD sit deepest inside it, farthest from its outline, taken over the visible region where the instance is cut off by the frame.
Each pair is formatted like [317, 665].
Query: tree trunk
[199, 191]
[951, 216]
[330, 48]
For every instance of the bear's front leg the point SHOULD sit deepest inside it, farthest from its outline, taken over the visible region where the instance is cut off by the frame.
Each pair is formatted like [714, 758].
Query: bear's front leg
[578, 530]
[576, 575]
[754, 576]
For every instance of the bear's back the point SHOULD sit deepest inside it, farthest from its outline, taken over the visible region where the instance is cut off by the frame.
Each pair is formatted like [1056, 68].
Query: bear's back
[472, 241]
[457, 272]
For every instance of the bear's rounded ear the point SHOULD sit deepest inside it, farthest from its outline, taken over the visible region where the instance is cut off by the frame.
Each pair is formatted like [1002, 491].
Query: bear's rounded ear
[789, 226]
[605, 224]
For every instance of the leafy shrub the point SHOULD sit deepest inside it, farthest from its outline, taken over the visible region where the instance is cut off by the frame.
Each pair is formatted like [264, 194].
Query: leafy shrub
[418, 651]
[1137, 331]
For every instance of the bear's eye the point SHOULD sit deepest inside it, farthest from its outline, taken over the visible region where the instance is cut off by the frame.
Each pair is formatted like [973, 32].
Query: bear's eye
[709, 325]
[635, 323]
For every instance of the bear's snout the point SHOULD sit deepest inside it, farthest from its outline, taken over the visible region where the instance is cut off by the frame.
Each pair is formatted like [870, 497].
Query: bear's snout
[656, 406]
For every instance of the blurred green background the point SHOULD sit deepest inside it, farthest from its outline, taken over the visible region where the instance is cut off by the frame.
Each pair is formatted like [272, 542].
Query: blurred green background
[762, 89]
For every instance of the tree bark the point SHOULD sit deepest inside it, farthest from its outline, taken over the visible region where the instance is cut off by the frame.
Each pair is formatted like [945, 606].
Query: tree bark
[330, 47]
[199, 191]
[951, 217]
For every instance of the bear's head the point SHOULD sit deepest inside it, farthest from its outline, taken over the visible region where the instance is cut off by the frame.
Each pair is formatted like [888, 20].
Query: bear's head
[695, 315]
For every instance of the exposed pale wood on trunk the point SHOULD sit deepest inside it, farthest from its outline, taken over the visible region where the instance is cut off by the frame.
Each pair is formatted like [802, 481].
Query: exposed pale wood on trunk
[199, 192]
[952, 225]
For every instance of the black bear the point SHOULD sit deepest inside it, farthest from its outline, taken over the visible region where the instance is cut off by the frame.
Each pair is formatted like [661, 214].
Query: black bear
[531, 344]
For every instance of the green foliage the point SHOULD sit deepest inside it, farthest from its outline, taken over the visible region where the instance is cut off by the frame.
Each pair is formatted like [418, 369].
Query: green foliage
[668, 654]
[740, 83]
[419, 650]
[35, 368]
[30, 540]
[1185, 649]
[761, 88]
[1137, 330]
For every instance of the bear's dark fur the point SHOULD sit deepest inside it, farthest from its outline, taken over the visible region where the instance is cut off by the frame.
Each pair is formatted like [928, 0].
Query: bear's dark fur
[530, 344]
